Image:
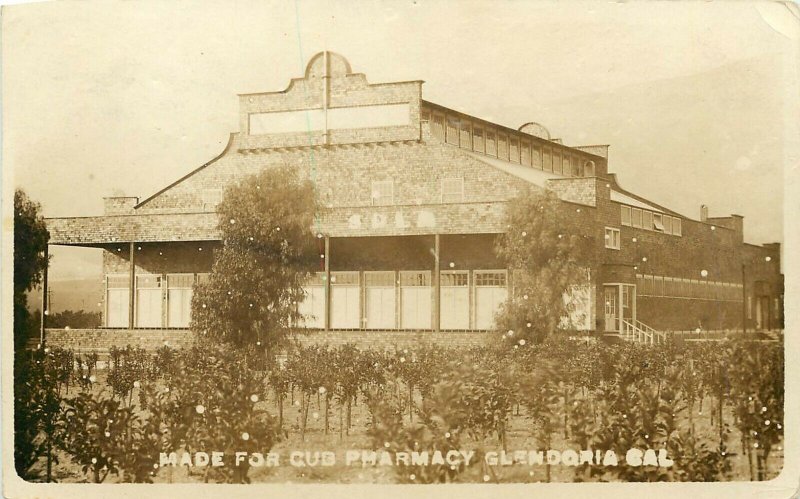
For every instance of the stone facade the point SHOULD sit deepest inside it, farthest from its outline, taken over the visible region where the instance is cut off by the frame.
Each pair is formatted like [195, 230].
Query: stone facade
[387, 188]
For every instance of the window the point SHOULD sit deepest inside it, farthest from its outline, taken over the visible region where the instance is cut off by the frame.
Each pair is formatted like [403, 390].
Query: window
[536, 157]
[491, 145]
[490, 278]
[477, 142]
[454, 278]
[612, 238]
[647, 220]
[502, 146]
[382, 192]
[513, 150]
[453, 125]
[667, 221]
[415, 278]
[557, 162]
[626, 215]
[637, 217]
[425, 114]
[548, 160]
[466, 135]
[658, 222]
[676, 226]
[566, 170]
[437, 127]
[452, 190]
[525, 153]
[576, 167]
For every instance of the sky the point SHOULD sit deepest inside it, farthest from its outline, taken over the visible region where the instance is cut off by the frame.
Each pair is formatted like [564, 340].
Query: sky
[697, 100]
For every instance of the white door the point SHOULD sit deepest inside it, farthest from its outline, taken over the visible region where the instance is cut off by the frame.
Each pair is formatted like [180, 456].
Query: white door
[415, 300]
[312, 307]
[148, 301]
[491, 292]
[381, 299]
[345, 300]
[117, 296]
[179, 299]
[454, 301]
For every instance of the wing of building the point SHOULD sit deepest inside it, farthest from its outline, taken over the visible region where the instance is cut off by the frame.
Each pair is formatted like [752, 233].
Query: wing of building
[414, 196]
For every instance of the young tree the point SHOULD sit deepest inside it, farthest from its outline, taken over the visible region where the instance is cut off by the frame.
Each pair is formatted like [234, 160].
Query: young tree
[547, 256]
[268, 248]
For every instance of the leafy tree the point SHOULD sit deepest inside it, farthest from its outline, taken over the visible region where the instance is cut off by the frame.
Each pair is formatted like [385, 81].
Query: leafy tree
[548, 257]
[267, 250]
[30, 243]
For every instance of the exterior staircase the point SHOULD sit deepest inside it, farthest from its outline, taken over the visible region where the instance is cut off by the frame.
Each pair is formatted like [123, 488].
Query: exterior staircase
[639, 332]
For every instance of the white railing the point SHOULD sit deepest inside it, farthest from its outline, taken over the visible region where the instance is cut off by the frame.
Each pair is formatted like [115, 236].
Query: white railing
[641, 333]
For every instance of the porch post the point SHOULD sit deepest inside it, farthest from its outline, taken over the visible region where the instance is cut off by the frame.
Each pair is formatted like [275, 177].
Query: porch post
[437, 303]
[620, 308]
[132, 286]
[327, 283]
[45, 304]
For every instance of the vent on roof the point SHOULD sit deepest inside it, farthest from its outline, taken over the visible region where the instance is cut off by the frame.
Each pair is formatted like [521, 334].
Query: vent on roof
[536, 130]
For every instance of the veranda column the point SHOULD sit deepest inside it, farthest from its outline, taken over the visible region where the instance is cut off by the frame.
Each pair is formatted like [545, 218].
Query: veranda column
[437, 298]
[44, 296]
[327, 259]
[132, 286]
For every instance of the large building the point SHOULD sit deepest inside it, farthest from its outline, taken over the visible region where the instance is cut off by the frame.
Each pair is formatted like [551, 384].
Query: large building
[414, 195]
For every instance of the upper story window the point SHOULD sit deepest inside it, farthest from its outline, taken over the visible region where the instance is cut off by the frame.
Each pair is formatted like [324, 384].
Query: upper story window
[425, 114]
[477, 139]
[567, 169]
[437, 126]
[548, 160]
[452, 190]
[525, 153]
[536, 157]
[612, 238]
[626, 215]
[658, 222]
[491, 144]
[382, 192]
[513, 150]
[453, 125]
[636, 217]
[676, 226]
[466, 134]
[557, 162]
[647, 220]
[502, 146]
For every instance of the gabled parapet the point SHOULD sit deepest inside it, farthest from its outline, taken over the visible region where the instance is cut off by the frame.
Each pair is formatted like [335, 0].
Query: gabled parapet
[330, 105]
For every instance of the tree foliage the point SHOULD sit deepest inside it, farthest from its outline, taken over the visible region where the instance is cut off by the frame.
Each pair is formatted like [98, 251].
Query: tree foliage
[268, 248]
[548, 256]
[30, 243]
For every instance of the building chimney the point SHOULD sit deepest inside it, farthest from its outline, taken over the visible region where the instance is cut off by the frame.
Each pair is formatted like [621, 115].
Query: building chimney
[703, 213]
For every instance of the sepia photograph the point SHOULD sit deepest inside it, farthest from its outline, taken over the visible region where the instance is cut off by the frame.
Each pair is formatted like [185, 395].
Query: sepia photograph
[399, 243]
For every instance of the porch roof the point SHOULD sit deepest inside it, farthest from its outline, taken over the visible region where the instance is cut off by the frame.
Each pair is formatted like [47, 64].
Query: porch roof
[360, 221]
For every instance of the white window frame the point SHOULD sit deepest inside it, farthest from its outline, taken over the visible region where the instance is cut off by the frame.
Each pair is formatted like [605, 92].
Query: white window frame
[612, 238]
[658, 222]
[376, 188]
[622, 215]
[460, 195]
[676, 224]
[634, 218]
